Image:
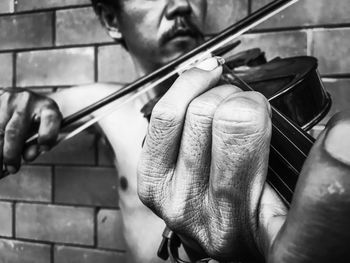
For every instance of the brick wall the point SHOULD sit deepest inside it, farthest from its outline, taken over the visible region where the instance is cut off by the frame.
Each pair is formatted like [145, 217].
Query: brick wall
[64, 206]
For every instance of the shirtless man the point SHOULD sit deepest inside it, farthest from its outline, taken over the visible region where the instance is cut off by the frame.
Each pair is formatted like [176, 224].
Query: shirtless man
[155, 32]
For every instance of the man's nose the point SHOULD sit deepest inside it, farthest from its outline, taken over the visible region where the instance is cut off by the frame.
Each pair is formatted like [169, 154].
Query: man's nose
[177, 8]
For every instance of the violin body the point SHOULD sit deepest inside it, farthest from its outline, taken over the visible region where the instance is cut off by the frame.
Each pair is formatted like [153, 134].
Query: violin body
[299, 101]
[294, 87]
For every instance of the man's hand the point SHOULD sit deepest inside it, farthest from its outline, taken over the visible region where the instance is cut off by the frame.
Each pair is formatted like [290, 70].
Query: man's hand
[317, 227]
[22, 113]
[204, 163]
[203, 171]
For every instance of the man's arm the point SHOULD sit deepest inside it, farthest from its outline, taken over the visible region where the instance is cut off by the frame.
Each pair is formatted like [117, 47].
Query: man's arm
[74, 99]
[24, 113]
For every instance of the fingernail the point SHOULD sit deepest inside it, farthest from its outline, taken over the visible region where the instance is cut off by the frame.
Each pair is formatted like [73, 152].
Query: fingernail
[337, 142]
[210, 63]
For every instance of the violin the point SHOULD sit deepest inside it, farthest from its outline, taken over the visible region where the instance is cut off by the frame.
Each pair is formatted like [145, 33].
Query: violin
[298, 101]
[291, 92]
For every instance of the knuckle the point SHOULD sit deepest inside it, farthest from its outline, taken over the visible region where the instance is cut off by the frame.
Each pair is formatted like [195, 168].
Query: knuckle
[189, 74]
[229, 87]
[165, 115]
[12, 133]
[241, 130]
[201, 109]
[243, 115]
[193, 78]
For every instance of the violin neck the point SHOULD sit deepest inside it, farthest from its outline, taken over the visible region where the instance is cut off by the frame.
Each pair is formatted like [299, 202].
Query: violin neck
[290, 145]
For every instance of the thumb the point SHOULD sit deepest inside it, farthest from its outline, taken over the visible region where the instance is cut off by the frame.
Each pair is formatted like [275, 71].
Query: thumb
[317, 228]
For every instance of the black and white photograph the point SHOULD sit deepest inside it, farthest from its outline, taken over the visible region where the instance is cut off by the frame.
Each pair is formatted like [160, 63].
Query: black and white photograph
[180, 131]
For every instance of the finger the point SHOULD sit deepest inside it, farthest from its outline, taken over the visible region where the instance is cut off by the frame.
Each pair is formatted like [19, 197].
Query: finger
[50, 122]
[195, 149]
[3, 121]
[241, 138]
[4, 118]
[164, 133]
[317, 227]
[2, 135]
[31, 152]
[49, 127]
[15, 135]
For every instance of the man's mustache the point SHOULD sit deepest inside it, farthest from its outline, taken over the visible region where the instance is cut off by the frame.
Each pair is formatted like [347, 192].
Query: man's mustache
[182, 26]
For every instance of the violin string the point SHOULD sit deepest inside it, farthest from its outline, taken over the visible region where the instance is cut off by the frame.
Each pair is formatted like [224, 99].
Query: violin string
[303, 135]
[298, 153]
[278, 190]
[291, 143]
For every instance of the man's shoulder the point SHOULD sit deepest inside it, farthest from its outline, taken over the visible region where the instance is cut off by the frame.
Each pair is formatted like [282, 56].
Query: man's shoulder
[76, 98]
[91, 92]
[97, 88]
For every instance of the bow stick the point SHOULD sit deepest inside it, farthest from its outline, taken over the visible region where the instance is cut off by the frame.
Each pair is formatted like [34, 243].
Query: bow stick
[209, 48]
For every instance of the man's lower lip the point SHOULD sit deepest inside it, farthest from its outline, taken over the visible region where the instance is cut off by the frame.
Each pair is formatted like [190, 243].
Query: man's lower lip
[184, 37]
